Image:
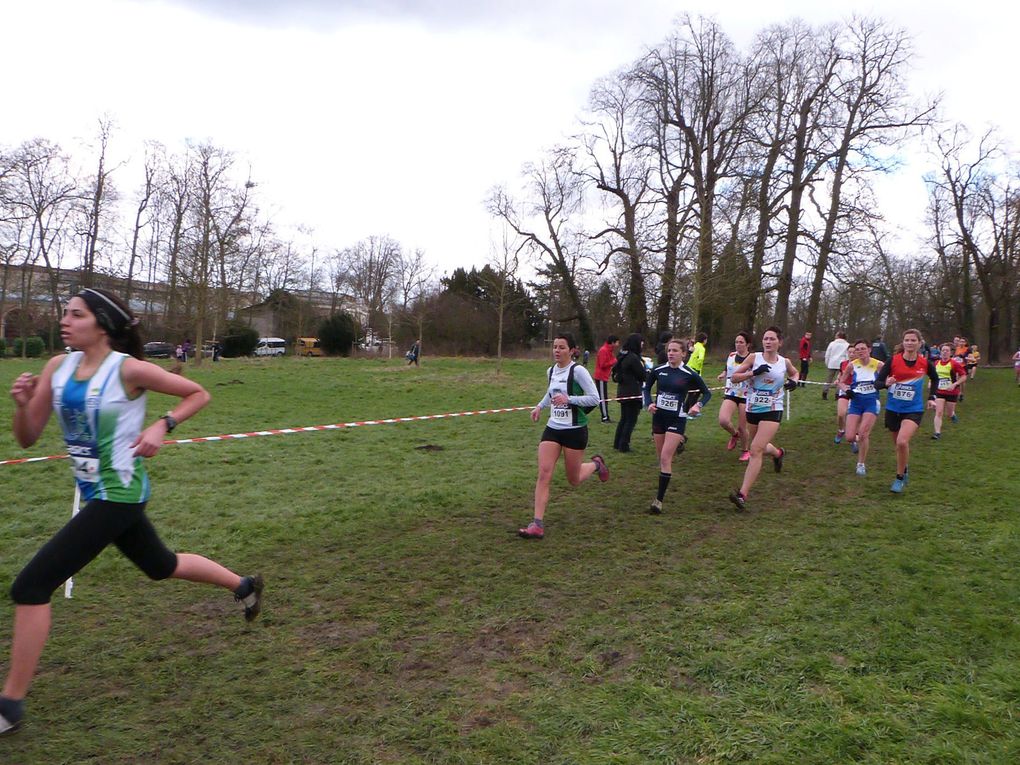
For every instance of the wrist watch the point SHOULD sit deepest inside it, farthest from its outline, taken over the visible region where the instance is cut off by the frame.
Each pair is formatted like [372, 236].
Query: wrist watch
[171, 423]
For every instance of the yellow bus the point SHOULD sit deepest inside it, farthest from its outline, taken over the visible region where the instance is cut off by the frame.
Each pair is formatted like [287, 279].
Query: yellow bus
[308, 346]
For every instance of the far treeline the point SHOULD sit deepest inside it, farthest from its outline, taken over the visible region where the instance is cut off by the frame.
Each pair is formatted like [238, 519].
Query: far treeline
[705, 188]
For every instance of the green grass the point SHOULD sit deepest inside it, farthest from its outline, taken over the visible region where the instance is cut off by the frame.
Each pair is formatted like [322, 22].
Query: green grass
[405, 623]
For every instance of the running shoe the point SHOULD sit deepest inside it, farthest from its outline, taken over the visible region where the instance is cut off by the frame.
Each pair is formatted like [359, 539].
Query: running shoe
[897, 485]
[533, 531]
[777, 462]
[738, 499]
[839, 437]
[602, 468]
[954, 418]
[253, 600]
[656, 507]
[732, 443]
[861, 469]
[11, 714]
[936, 436]
[854, 448]
[744, 457]
[906, 476]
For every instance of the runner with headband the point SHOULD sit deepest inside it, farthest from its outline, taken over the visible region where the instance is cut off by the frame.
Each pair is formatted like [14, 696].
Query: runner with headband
[98, 393]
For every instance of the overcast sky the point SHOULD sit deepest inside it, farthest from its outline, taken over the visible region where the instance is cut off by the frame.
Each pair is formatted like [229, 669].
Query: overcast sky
[363, 117]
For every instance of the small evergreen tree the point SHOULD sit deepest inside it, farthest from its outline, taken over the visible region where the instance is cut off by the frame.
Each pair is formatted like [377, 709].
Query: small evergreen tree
[239, 341]
[337, 334]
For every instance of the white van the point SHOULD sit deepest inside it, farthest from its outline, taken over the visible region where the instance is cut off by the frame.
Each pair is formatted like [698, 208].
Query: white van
[271, 346]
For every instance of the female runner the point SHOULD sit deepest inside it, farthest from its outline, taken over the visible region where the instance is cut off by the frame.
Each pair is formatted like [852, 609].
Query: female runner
[951, 374]
[843, 399]
[99, 393]
[735, 397]
[571, 391]
[904, 406]
[860, 375]
[768, 374]
[672, 381]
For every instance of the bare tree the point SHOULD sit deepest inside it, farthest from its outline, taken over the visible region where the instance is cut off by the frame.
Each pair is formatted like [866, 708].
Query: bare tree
[553, 195]
[101, 195]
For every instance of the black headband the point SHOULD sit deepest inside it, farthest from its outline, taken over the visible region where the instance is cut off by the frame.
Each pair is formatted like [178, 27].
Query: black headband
[110, 316]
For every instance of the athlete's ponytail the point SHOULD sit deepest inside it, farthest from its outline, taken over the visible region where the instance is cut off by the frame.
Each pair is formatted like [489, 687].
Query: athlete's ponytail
[116, 319]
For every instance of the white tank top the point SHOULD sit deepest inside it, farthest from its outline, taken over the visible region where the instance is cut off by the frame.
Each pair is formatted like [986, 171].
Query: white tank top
[766, 389]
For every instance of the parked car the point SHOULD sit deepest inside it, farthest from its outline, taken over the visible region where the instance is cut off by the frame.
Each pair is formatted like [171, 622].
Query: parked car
[271, 346]
[157, 349]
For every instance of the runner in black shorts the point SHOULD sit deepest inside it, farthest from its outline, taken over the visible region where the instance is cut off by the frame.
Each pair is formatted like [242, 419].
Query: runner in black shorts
[571, 390]
[673, 381]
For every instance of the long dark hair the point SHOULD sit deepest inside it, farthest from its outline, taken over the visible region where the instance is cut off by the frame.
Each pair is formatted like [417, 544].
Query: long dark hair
[633, 343]
[116, 319]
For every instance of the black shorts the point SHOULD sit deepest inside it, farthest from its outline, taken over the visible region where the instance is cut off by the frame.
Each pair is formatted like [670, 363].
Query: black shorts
[951, 397]
[568, 438]
[663, 425]
[735, 399]
[753, 418]
[894, 419]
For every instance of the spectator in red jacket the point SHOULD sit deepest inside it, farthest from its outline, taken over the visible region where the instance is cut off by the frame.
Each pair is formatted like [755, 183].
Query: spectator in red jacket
[805, 357]
[604, 361]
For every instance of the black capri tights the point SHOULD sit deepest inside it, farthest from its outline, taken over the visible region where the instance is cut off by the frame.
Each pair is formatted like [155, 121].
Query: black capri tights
[85, 536]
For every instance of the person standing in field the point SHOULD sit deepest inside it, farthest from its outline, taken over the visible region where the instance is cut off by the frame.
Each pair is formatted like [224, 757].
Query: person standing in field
[768, 374]
[835, 355]
[629, 373]
[604, 361]
[98, 393]
[571, 391]
[804, 353]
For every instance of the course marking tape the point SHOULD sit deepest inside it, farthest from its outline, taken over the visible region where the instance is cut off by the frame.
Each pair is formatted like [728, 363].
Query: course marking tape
[316, 428]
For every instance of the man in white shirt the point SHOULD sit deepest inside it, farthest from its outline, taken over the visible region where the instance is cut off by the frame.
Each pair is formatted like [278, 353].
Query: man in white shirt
[835, 354]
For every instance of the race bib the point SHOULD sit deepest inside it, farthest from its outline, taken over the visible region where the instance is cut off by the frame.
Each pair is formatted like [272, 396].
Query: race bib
[904, 393]
[760, 398]
[86, 469]
[667, 401]
[561, 414]
[865, 388]
[945, 383]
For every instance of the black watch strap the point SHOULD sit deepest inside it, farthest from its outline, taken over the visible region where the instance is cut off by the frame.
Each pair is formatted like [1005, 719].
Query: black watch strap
[171, 423]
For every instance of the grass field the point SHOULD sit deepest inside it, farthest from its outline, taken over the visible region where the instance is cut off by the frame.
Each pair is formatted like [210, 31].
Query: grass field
[404, 622]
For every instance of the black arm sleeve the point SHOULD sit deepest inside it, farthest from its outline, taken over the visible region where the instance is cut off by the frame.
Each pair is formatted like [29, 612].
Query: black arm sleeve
[933, 379]
[882, 374]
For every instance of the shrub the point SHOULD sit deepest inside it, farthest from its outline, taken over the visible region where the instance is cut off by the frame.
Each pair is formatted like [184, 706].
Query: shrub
[239, 341]
[338, 333]
[3, 347]
[34, 347]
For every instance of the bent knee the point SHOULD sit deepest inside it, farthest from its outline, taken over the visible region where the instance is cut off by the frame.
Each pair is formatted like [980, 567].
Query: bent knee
[27, 593]
[161, 569]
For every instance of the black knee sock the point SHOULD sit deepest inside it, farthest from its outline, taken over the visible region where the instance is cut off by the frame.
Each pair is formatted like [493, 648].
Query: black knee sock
[663, 485]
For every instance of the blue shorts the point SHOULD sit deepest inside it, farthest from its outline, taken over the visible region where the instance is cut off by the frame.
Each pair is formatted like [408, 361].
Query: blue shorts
[859, 406]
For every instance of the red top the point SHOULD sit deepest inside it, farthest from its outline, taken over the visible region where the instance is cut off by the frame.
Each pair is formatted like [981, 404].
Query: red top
[805, 349]
[604, 362]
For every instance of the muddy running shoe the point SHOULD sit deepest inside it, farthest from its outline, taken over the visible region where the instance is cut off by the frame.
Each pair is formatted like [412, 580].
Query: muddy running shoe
[656, 507]
[745, 456]
[839, 437]
[732, 443]
[252, 586]
[533, 531]
[738, 499]
[601, 467]
[777, 462]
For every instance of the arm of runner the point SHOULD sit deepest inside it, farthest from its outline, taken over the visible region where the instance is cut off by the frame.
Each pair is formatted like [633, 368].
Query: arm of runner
[590, 397]
[933, 384]
[882, 379]
[140, 375]
[791, 371]
[646, 393]
[744, 370]
[33, 403]
[706, 394]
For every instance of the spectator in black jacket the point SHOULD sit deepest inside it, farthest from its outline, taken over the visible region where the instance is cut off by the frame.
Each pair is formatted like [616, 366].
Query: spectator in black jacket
[629, 372]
